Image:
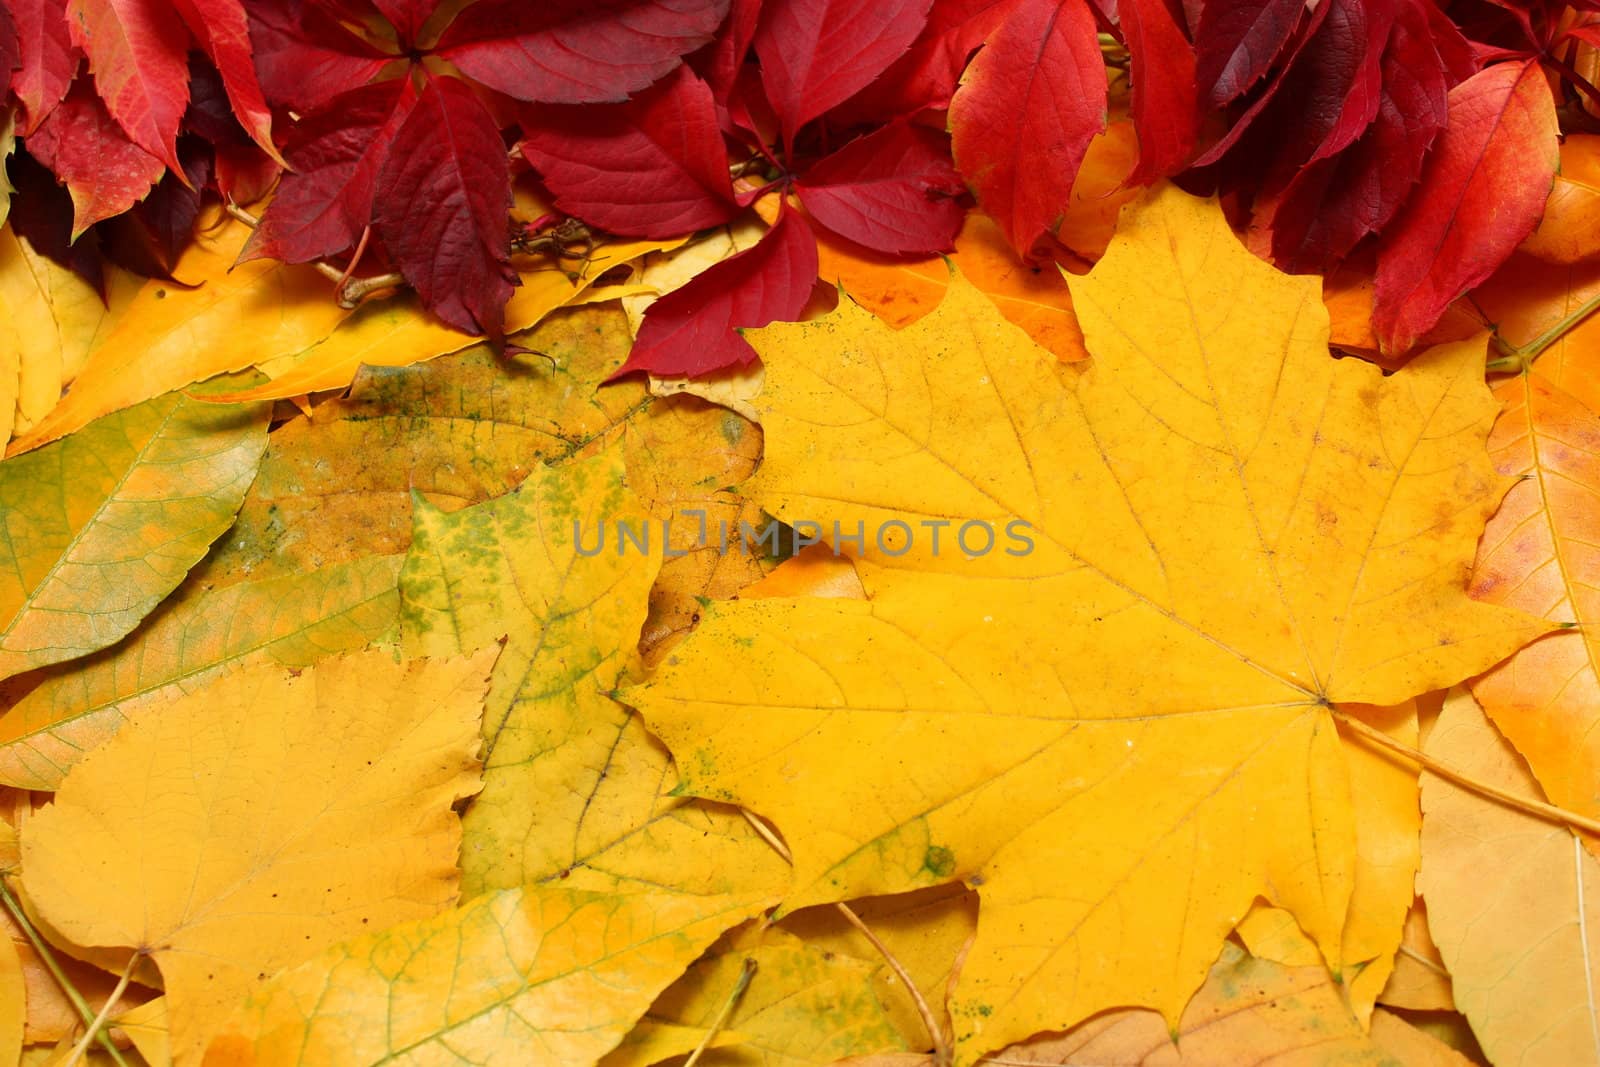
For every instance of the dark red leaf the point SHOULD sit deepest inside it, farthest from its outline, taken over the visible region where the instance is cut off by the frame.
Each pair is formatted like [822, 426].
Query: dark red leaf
[87, 150]
[1334, 202]
[926, 76]
[443, 208]
[652, 167]
[893, 191]
[1482, 191]
[1165, 107]
[304, 57]
[816, 54]
[244, 173]
[1339, 78]
[148, 239]
[335, 156]
[1237, 42]
[720, 61]
[407, 17]
[691, 329]
[48, 58]
[223, 31]
[1025, 113]
[42, 214]
[10, 49]
[1460, 62]
[577, 51]
[139, 55]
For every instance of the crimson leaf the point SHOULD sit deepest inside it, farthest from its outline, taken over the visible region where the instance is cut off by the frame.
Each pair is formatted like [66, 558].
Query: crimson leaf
[892, 190]
[691, 330]
[139, 55]
[1237, 42]
[443, 205]
[48, 57]
[654, 166]
[304, 57]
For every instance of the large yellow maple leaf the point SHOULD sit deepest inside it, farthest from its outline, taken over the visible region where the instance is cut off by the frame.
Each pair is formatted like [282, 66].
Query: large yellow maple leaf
[1126, 734]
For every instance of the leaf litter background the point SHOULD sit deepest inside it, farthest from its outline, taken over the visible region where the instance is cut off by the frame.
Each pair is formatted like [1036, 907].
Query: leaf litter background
[322, 743]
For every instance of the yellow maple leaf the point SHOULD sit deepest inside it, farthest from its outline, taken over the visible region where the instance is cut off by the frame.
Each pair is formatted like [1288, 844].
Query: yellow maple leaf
[276, 813]
[99, 528]
[574, 788]
[1116, 718]
[538, 975]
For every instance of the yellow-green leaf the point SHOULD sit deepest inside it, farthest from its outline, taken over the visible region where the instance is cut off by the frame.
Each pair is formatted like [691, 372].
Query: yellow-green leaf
[1121, 734]
[250, 824]
[573, 785]
[539, 975]
[65, 711]
[99, 528]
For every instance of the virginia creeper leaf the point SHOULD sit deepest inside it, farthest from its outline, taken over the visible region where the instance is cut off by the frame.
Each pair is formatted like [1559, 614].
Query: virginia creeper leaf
[1180, 496]
[1237, 41]
[893, 190]
[294, 809]
[1024, 115]
[138, 54]
[577, 51]
[335, 154]
[223, 31]
[818, 53]
[553, 973]
[926, 75]
[196, 635]
[48, 56]
[10, 47]
[136, 500]
[654, 166]
[443, 208]
[1166, 109]
[692, 329]
[1521, 947]
[407, 17]
[304, 57]
[87, 150]
[1481, 192]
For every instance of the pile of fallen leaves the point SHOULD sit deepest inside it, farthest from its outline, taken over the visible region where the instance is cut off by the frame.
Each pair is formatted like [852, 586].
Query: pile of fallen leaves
[769, 532]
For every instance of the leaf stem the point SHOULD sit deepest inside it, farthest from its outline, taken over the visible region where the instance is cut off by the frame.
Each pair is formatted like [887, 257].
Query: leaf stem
[95, 1027]
[735, 995]
[936, 1034]
[48, 958]
[350, 292]
[1537, 808]
[1518, 359]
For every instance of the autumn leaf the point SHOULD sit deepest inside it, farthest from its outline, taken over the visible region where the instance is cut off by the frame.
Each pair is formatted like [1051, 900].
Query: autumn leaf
[47, 58]
[1573, 209]
[893, 190]
[136, 51]
[1025, 113]
[1521, 946]
[1481, 193]
[1174, 501]
[137, 499]
[553, 973]
[524, 565]
[56, 716]
[104, 171]
[249, 856]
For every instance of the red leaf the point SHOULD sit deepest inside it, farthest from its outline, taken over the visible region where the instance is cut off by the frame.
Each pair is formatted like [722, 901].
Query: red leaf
[1482, 191]
[577, 51]
[325, 200]
[926, 76]
[86, 148]
[139, 55]
[304, 57]
[1237, 41]
[691, 329]
[10, 49]
[148, 238]
[719, 62]
[223, 30]
[1333, 203]
[816, 54]
[49, 58]
[443, 208]
[892, 190]
[652, 167]
[1025, 113]
[407, 17]
[1166, 107]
